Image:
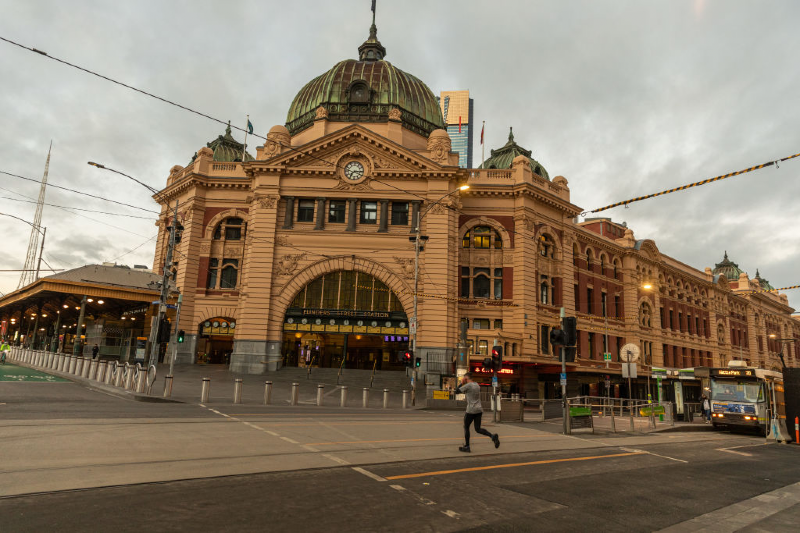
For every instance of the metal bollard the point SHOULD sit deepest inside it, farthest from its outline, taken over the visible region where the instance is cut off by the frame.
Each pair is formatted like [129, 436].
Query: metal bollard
[167, 386]
[92, 369]
[110, 369]
[405, 399]
[237, 390]
[87, 363]
[100, 375]
[320, 394]
[343, 400]
[295, 392]
[76, 368]
[267, 392]
[205, 390]
[385, 398]
[141, 381]
[128, 376]
[118, 370]
[365, 398]
[60, 364]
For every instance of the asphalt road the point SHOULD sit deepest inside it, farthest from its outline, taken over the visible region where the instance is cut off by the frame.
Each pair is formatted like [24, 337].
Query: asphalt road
[136, 466]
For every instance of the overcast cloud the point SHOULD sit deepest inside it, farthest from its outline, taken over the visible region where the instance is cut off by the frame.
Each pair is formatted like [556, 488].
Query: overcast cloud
[622, 98]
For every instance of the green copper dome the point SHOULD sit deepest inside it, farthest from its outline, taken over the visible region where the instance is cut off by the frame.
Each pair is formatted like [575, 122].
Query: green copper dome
[502, 157]
[366, 90]
[227, 149]
[764, 284]
[728, 268]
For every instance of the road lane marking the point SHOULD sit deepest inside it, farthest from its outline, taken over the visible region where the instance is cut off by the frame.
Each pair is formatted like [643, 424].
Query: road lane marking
[398, 487]
[653, 454]
[369, 474]
[451, 514]
[734, 451]
[413, 440]
[336, 459]
[287, 439]
[512, 465]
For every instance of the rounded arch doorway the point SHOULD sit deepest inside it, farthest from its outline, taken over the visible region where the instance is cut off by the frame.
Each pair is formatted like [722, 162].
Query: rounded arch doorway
[347, 319]
[215, 342]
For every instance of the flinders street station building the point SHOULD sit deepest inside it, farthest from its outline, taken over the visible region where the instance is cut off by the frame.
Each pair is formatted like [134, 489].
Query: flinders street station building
[304, 253]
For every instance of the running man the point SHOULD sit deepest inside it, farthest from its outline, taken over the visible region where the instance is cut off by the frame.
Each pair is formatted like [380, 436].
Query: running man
[474, 412]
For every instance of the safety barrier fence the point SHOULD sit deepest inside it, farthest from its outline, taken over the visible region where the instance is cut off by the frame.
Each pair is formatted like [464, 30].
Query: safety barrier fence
[136, 378]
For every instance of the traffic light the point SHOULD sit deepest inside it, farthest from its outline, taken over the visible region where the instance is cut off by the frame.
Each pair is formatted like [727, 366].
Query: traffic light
[418, 362]
[497, 357]
[178, 233]
[557, 337]
[569, 354]
[181, 335]
[570, 326]
[407, 359]
[487, 363]
[163, 331]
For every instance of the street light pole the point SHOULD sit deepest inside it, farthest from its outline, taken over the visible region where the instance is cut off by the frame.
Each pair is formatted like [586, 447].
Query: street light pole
[417, 239]
[162, 304]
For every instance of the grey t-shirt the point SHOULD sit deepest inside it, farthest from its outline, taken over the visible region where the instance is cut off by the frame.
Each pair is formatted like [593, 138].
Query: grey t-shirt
[473, 393]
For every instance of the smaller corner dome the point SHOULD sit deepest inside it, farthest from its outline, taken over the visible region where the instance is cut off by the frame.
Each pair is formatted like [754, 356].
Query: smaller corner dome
[764, 284]
[728, 268]
[227, 149]
[503, 157]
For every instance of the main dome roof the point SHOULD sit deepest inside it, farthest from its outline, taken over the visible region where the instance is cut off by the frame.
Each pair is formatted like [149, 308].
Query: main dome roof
[366, 90]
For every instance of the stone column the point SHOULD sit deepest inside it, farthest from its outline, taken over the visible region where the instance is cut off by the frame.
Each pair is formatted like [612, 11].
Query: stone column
[384, 222]
[320, 214]
[351, 214]
[288, 217]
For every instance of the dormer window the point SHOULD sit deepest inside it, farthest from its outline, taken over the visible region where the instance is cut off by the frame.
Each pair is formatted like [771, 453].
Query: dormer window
[359, 92]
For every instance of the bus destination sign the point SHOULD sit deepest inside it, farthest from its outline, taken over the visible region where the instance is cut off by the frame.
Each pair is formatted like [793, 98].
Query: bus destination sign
[733, 372]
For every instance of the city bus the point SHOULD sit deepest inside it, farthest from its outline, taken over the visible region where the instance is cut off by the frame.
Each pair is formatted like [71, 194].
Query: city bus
[743, 397]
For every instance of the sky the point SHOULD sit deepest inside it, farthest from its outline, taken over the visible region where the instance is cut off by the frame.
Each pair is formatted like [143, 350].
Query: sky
[623, 98]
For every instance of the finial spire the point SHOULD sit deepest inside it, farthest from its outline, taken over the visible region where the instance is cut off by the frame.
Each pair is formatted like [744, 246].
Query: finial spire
[372, 49]
[228, 128]
[510, 134]
[757, 274]
[726, 255]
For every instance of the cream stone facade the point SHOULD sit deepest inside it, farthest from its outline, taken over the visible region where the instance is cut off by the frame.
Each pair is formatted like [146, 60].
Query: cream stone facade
[316, 228]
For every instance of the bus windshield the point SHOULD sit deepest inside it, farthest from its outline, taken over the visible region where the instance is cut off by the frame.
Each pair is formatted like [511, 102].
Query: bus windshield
[737, 391]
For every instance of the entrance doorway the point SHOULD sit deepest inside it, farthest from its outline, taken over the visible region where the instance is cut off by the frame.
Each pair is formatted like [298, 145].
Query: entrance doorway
[215, 343]
[345, 319]
[349, 351]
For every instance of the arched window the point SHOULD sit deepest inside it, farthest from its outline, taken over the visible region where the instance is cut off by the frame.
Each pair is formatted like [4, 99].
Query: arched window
[482, 237]
[576, 253]
[229, 274]
[645, 315]
[547, 246]
[588, 259]
[544, 292]
[359, 92]
[603, 264]
[232, 229]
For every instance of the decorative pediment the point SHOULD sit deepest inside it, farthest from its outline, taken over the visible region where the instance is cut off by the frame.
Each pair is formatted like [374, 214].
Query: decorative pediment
[330, 152]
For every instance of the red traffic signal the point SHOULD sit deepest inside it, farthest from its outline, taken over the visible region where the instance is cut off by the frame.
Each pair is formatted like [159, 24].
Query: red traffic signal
[408, 359]
[497, 357]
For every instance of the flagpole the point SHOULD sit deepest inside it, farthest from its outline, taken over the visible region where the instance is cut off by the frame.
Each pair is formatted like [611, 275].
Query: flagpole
[483, 143]
[244, 146]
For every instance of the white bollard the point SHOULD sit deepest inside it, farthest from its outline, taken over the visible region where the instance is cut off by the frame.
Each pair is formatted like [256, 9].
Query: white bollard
[343, 400]
[365, 398]
[385, 398]
[87, 363]
[405, 399]
[295, 393]
[267, 393]
[320, 394]
[100, 374]
[73, 362]
[141, 381]
[167, 386]
[237, 390]
[92, 369]
[205, 390]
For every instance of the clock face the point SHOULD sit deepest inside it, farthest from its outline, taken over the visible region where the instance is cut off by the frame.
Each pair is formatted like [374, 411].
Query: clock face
[354, 170]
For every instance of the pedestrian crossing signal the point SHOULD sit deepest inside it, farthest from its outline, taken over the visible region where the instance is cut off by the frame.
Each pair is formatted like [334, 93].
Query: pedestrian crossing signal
[407, 359]
[181, 335]
[418, 362]
[497, 357]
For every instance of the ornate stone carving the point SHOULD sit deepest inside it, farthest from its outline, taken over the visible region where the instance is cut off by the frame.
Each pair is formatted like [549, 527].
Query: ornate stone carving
[205, 247]
[322, 113]
[234, 250]
[528, 222]
[282, 240]
[362, 186]
[205, 152]
[439, 146]
[395, 115]
[406, 265]
[277, 136]
[288, 264]
[267, 202]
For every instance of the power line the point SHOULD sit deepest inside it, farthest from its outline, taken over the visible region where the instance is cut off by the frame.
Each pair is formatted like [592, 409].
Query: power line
[134, 249]
[75, 208]
[79, 192]
[695, 184]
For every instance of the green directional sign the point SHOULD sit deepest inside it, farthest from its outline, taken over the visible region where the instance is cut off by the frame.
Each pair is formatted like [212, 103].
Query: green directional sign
[607, 357]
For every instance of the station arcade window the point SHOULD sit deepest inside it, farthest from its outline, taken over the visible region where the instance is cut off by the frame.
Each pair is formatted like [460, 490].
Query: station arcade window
[481, 286]
[484, 284]
[547, 246]
[480, 323]
[336, 211]
[544, 293]
[369, 212]
[465, 282]
[483, 347]
[399, 213]
[482, 237]
[545, 339]
[305, 211]
[231, 228]
[229, 274]
[498, 283]
[498, 323]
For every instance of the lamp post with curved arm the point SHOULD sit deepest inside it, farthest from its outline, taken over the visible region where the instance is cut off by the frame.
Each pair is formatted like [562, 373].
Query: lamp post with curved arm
[417, 238]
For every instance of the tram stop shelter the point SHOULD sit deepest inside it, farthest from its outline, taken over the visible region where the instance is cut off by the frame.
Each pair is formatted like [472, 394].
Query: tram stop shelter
[118, 304]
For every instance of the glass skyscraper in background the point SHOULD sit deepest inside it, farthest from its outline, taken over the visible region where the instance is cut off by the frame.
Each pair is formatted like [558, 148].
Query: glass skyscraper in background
[457, 110]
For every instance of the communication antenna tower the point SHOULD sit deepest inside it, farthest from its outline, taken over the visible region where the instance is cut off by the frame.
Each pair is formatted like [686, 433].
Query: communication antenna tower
[29, 273]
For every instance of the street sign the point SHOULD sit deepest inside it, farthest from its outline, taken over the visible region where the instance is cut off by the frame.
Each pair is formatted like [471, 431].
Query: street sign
[412, 326]
[629, 370]
[494, 381]
[563, 378]
[607, 356]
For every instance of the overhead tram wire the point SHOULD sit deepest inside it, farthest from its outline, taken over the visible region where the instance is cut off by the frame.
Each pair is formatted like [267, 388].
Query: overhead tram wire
[75, 208]
[79, 192]
[695, 184]
[186, 108]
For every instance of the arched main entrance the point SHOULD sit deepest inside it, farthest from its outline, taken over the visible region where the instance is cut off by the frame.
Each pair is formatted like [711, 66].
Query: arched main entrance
[345, 318]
